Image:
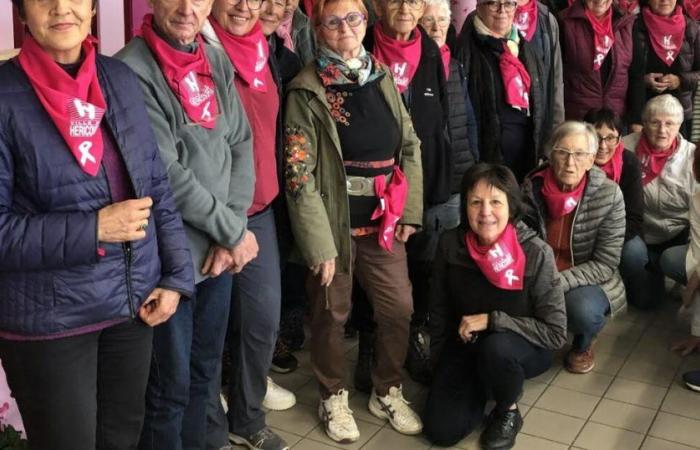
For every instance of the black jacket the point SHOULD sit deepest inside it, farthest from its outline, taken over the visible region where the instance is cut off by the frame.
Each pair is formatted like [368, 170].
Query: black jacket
[426, 102]
[633, 193]
[486, 91]
[644, 60]
[462, 125]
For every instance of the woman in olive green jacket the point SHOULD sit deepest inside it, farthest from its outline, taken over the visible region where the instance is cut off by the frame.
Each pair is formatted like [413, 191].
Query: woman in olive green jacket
[354, 193]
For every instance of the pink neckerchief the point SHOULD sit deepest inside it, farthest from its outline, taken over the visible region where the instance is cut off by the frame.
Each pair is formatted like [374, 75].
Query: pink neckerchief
[503, 263]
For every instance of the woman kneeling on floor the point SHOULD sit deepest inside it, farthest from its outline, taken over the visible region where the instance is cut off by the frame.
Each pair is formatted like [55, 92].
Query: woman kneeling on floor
[497, 313]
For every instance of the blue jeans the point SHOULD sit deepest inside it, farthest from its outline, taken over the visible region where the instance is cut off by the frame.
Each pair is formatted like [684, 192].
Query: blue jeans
[586, 308]
[253, 326]
[186, 355]
[643, 267]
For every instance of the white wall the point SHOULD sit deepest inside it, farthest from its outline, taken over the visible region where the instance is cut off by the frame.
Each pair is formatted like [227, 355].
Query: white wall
[7, 39]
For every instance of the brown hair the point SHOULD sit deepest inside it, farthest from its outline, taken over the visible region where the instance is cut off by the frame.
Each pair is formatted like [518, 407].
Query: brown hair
[320, 5]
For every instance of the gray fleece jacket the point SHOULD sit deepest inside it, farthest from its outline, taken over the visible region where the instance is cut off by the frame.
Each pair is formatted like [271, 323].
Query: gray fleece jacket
[210, 171]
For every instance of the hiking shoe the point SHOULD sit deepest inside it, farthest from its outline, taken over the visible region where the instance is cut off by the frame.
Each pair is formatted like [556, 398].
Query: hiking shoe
[265, 439]
[278, 398]
[580, 361]
[395, 409]
[418, 356]
[692, 380]
[365, 362]
[337, 418]
[283, 361]
[501, 430]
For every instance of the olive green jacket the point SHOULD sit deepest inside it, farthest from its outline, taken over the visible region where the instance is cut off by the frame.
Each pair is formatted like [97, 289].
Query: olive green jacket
[315, 179]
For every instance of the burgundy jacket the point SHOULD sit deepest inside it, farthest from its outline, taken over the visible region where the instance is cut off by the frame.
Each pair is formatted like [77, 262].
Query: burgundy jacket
[583, 87]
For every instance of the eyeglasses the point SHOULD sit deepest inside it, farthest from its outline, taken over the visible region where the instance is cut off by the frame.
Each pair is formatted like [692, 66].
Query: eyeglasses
[252, 4]
[353, 19]
[563, 154]
[610, 141]
[430, 21]
[656, 124]
[495, 6]
[413, 4]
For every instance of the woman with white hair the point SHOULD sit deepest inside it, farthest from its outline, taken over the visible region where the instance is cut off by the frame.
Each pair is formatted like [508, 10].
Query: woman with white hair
[668, 183]
[581, 215]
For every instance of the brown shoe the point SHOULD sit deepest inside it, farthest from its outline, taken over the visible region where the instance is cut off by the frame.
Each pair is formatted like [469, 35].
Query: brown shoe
[580, 362]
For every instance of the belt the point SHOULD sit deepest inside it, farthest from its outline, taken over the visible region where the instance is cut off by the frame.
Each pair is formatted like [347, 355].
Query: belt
[363, 186]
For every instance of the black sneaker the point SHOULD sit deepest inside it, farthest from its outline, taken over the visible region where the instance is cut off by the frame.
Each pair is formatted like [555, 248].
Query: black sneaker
[692, 380]
[418, 356]
[265, 439]
[501, 430]
[365, 362]
[283, 361]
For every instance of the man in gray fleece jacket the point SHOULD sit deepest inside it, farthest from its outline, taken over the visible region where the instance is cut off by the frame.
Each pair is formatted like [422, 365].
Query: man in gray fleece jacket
[206, 145]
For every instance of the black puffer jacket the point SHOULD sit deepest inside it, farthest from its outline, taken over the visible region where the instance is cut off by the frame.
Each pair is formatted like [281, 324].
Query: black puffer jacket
[486, 91]
[426, 102]
[462, 125]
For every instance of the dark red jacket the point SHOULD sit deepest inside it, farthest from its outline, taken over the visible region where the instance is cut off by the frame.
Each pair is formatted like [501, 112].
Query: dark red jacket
[583, 87]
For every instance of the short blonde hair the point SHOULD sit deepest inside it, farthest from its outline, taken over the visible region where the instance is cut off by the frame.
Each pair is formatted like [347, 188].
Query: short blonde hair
[321, 5]
[444, 5]
[570, 128]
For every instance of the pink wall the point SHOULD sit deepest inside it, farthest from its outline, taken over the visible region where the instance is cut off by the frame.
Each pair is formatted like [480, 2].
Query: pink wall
[138, 9]
[7, 38]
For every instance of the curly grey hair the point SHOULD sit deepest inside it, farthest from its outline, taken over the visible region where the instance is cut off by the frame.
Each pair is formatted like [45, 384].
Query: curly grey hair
[572, 127]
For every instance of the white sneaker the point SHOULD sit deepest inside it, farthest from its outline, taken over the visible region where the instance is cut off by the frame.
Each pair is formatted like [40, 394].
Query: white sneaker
[394, 408]
[337, 418]
[278, 398]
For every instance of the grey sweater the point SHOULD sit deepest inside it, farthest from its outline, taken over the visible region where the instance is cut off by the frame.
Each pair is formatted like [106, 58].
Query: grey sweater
[210, 171]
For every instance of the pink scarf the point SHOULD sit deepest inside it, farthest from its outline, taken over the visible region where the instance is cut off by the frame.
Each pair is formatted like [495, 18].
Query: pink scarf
[613, 168]
[402, 57]
[526, 19]
[652, 161]
[188, 75]
[284, 31]
[627, 6]
[248, 53]
[446, 56]
[665, 33]
[516, 80]
[503, 263]
[392, 199]
[692, 8]
[560, 203]
[75, 105]
[603, 36]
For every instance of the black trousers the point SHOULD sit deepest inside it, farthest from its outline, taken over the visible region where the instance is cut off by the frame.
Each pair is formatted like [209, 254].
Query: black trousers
[82, 392]
[496, 364]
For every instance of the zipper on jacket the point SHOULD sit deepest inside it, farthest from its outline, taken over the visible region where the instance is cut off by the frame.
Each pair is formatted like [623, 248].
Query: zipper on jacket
[571, 233]
[127, 260]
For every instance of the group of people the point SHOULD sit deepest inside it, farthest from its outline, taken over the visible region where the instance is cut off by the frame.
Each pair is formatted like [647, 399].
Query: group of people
[484, 189]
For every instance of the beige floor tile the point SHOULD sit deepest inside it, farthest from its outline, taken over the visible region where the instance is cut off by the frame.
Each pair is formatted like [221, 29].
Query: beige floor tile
[290, 438]
[595, 436]
[636, 392]
[683, 402]
[308, 444]
[470, 442]
[358, 403]
[661, 356]
[623, 328]
[591, 383]
[299, 420]
[527, 442]
[623, 415]
[308, 394]
[676, 429]
[607, 363]
[647, 372]
[565, 401]
[290, 381]
[549, 375]
[388, 439]
[532, 391]
[552, 426]
[615, 345]
[367, 431]
[652, 443]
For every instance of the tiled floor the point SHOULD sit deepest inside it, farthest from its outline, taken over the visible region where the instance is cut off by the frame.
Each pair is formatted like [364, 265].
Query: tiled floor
[632, 400]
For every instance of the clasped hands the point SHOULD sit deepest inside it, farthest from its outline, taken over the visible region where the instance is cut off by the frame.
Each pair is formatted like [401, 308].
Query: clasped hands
[221, 259]
[659, 82]
[472, 324]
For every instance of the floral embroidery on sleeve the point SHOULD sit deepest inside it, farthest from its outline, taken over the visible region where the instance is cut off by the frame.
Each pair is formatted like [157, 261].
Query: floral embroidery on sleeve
[296, 172]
